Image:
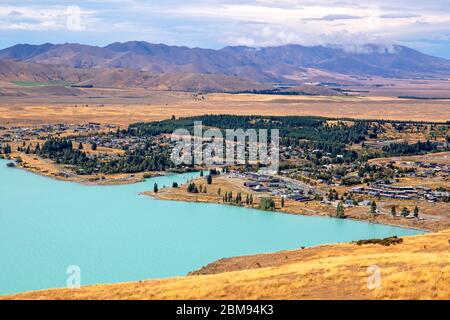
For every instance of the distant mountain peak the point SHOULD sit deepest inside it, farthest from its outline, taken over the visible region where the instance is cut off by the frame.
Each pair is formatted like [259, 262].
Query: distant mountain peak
[265, 64]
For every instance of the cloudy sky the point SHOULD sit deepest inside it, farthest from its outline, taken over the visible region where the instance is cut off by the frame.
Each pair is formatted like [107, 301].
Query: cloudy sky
[423, 25]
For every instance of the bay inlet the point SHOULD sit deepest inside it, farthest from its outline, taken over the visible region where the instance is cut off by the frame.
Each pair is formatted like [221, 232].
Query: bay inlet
[113, 234]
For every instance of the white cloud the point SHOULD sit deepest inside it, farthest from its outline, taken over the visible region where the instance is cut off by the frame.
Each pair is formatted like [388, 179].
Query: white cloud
[40, 18]
[237, 22]
[315, 22]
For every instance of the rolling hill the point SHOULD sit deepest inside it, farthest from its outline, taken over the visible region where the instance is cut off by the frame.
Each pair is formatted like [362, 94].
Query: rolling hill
[20, 71]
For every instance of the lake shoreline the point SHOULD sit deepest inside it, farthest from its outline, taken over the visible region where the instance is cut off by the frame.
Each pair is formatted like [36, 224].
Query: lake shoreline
[128, 179]
[146, 222]
[179, 194]
[96, 180]
[405, 226]
[50, 169]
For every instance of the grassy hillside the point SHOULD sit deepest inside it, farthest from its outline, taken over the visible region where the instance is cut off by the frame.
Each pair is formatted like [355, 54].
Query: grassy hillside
[28, 74]
[418, 268]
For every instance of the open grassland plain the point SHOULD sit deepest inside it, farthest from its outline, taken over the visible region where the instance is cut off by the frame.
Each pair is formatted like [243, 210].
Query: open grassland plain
[125, 106]
[425, 89]
[417, 268]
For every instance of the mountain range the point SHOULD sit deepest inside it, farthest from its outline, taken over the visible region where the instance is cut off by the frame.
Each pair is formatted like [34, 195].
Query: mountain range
[138, 63]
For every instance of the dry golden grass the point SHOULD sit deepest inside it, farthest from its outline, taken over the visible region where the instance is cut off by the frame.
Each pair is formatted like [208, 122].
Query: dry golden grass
[419, 268]
[433, 216]
[212, 194]
[436, 216]
[432, 182]
[236, 185]
[413, 135]
[438, 157]
[157, 106]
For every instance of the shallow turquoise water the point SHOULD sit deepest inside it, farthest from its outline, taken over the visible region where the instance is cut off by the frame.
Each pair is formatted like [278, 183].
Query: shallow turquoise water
[113, 234]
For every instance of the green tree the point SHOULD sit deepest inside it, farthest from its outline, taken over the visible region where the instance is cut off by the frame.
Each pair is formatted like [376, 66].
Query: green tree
[155, 188]
[373, 208]
[393, 211]
[208, 179]
[266, 204]
[340, 211]
[201, 173]
[94, 146]
[37, 149]
[416, 212]
[7, 149]
[405, 212]
[80, 146]
[174, 185]
[191, 188]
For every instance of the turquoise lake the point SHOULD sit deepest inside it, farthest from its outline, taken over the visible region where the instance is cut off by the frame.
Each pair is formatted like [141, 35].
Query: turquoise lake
[114, 234]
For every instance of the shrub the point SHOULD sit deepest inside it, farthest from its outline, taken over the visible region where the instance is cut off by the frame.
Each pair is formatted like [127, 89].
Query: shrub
[384, 242]
[266, 204]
